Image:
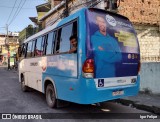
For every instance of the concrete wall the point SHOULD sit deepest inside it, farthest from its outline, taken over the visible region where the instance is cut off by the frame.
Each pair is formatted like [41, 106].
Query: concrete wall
[149, 40]
[150, 77]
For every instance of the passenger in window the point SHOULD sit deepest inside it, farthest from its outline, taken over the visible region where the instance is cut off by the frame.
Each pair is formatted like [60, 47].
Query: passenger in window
[38, 52]
[73, 42]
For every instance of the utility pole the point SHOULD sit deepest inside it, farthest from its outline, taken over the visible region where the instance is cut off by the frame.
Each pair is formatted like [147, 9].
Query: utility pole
[7, 40]
[112, 5]
[66, 9]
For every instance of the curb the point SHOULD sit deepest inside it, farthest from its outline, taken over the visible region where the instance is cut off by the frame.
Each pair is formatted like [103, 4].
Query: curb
[138, 105]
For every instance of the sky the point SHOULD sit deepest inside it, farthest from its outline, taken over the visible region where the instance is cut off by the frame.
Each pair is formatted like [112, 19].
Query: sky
[17, 22]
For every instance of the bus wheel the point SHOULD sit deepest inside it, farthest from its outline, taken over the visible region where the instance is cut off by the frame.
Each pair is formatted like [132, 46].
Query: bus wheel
[23, 86]
[50, 96]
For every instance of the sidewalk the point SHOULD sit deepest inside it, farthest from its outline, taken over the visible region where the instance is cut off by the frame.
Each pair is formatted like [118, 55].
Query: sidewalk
[143, 101]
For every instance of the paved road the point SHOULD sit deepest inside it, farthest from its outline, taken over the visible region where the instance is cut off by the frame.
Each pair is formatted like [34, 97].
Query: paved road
[13, 100]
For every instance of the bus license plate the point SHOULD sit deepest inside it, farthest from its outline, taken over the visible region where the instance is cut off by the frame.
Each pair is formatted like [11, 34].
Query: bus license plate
[115, 93]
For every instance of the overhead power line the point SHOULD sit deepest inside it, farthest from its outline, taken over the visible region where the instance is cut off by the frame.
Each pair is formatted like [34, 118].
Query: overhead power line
[14, 7]
[17, 11]
[11, 11]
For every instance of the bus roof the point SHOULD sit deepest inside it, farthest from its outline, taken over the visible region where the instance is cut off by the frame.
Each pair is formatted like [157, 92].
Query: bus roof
[109, 12]
[67, 19]
[57, 24]
[41, 32]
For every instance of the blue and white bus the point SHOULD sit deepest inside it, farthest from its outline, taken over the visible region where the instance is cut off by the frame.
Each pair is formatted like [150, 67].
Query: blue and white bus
[104, 67]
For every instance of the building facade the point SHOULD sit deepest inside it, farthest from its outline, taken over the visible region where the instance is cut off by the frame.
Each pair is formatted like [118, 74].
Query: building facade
[10, 43]
[27, 32]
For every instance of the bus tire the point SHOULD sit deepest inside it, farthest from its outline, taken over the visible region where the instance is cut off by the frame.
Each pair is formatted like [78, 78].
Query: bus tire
[50, 96]
[23, 86]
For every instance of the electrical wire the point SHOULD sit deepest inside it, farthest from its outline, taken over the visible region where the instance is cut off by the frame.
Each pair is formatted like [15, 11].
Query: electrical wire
[14, 7]
[11, 11]
[17, 12]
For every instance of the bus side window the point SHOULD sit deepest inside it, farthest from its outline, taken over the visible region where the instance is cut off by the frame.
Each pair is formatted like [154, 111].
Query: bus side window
[33, 48]
[23, 51]
[43, 46]
[20, 50]
[65, 35]
[29, 49]
[58, 36]
[49, 43]
[38, 51]
[74, 30]
[73, 45]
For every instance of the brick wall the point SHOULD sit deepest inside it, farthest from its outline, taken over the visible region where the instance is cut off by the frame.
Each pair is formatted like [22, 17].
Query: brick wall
[55, 2]
[149, 40]
[141, 11]
[145, 14]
